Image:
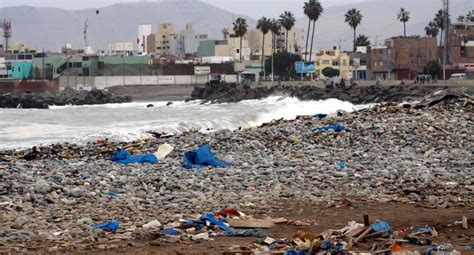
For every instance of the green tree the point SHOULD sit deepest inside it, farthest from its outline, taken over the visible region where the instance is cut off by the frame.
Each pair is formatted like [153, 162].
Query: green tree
[404, 16]
[470, 15]
[287, 21]
[330, 72]
[313, 10]
[440, 21]
[362, 40]
[353, 17]
[240, 29]
[432, 68]
[264, 24]
[432, 29]
[283, 64]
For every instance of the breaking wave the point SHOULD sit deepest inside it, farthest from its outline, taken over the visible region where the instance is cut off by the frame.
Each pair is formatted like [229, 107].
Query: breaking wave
[132, 121]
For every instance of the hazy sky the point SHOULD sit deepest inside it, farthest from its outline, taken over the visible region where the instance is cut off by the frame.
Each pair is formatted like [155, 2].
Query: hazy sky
[253, 8]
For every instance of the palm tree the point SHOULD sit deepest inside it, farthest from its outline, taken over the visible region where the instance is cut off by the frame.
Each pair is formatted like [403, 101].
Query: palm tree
[313, 10]
[362, 40]
[275, 27]
[470, 16]
[432, 29]
[240, 29]
[287, 20]
[353, 17]
[264, 24]
[404, 16]
[307, 11]
[440, 21]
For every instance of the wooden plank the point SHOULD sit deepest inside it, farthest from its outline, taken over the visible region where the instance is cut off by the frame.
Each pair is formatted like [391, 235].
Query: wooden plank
[250, 223]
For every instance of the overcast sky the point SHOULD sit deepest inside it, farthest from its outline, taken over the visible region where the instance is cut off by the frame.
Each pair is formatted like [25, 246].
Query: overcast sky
[253, 8]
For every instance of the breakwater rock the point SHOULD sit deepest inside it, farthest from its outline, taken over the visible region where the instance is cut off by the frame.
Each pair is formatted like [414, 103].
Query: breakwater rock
[229, 93]
[66, 97]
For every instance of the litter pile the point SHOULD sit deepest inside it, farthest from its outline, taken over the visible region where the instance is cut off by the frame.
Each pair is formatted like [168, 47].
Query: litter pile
[354, 238]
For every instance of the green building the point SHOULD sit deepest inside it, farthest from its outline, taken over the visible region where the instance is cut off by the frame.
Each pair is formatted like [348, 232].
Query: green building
[21, 70]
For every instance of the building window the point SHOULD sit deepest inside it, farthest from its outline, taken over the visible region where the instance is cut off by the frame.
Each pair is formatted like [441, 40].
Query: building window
[335, 63]
[325, 62]
[19, 69]
[85, 58]
[21, 56]
[29, 57]
[164, 36]
[363, 62]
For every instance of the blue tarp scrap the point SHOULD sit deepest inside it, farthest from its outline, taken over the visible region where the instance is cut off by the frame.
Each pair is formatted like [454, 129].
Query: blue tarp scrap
[195, 224]
[335, 127]
[380, 226]
[471, 246]
[202, 157]
[295, 252]
[210, 217]
[111, 225]
[125, 157]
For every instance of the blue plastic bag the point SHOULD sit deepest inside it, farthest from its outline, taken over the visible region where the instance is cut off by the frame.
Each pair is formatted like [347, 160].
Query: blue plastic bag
[202, 157]
[111, 225]
[341, 164]
[210, 217]
[170, 232]
[380, 226]
[336, 127]
[125, 157]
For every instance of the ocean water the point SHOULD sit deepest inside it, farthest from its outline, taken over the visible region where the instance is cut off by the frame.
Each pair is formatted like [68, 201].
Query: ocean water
[21, 128]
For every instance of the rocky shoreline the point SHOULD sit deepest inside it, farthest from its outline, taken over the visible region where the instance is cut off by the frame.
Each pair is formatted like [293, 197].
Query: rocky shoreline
[66, 97]
[390, 153]
[231, 93]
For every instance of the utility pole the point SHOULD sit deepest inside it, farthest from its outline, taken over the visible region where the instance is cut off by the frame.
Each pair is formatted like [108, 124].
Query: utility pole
[340, 59]
[43, 56]
[446, 41]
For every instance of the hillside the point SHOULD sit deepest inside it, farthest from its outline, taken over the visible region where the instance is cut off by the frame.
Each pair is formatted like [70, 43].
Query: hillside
[52, 28]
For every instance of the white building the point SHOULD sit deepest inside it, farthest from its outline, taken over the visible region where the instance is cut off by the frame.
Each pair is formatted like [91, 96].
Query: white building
[144, 30]
[120, 48]
[187, 42]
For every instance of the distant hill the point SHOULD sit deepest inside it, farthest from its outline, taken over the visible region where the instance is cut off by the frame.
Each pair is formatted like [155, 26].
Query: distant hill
[52, 28]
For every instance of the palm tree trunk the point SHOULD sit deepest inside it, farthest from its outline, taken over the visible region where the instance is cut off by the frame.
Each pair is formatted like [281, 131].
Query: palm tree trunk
[354, 40]
[441, 38]
[307, 39]
[312, 40]
[263, 54]
[286, 40]
[404, 29]
[240, 51]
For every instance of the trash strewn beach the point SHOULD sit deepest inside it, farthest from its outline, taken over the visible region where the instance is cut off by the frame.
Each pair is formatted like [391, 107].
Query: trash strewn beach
[53, 198]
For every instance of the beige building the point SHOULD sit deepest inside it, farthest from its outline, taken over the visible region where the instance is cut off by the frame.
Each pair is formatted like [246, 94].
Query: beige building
[160, 43]
[334, 59]
[253, 39]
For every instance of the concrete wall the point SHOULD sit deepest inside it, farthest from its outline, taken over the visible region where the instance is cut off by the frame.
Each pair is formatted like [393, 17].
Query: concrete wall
[102, 82]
